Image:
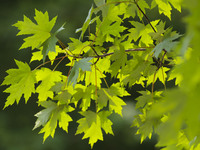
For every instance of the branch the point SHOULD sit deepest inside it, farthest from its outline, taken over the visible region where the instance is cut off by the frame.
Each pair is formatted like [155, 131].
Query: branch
[149, 22]
[108, 54]
[129, 50]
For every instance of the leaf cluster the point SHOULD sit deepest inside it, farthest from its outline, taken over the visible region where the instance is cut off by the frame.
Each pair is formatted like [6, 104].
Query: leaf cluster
[144, 54]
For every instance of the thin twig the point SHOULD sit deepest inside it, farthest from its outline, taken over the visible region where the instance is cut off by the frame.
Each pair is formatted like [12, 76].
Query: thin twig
[108, 54]
[149, 22]
[62, 57]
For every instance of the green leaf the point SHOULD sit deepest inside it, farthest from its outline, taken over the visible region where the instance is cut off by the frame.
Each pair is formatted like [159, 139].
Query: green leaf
[111, 95]
[86, 94]
[163, 7]
[119, 57]
[86, 23]
[167, 44]
[143, 5]
[145, 130]
[146, 99]
[176, 4]
[43, 116]
[142, 100]
[49, 79]
[133, 71]
[112, 29]
[22, 82]
[160, 74]
[90, 126]
[51, 116]
[51, 54]
[77, 47]
[99, 2]
[84, 65]
[141, 31]
[40, 32]
[50, 44]
[64, 97]
[106, 123]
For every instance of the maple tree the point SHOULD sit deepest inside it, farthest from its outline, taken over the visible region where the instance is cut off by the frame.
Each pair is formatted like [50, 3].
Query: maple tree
[141, 54]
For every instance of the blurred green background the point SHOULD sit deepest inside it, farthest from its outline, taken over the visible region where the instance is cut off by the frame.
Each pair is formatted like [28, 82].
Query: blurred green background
[17, 121]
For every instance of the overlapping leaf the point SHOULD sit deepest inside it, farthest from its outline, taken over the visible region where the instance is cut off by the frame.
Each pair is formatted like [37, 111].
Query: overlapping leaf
[111, 95]
[84, 65]
[94, 123]
[52, 115]
[165, 7]
[141, 31]
[48, 79]
[167, 44]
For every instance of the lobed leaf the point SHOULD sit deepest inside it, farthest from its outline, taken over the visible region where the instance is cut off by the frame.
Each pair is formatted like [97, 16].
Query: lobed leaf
[22, 82]
[48, 79]
[84, 65]
[40, 32]
[91, 125]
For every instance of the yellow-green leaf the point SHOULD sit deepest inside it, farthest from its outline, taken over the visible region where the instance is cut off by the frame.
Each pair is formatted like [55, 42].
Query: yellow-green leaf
[22, 82]
[48, 78]
[38, 33]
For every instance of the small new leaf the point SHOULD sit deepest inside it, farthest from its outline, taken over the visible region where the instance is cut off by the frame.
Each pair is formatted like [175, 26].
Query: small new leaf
[87, 22]
[21, 81]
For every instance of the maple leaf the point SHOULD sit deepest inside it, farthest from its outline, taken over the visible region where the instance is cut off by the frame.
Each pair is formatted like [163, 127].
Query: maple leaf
[112, 29]
[43, 116]
[52, 115]
[141, 31]
[145, 130]
[84, 65]
[50, 44]
[160, 74]
[163, 7]
[106, 123]
[87, 22]
[76, 46]
[143, 5]
[176, 4]
[119, 57]
[167, 44]
[48, 78]
[92, 124]
[63, 97]
[111, 95]
[133, 71]
[51, 54]
[86, 94]
[40, 31]
[21, 81]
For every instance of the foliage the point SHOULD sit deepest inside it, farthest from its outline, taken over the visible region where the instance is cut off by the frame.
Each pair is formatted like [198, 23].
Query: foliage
[145, 53]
